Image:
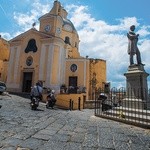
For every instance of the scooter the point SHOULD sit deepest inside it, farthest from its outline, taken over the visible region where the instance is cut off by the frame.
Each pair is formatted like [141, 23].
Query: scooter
[34, 103]
[50, 101]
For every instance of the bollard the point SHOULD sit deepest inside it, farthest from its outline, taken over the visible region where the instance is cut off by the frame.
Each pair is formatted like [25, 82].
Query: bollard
[70, 104]
[79, 103]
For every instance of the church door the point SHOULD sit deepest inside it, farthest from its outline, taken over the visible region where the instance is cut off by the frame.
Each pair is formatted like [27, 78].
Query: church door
[27, 82]
[73, 84]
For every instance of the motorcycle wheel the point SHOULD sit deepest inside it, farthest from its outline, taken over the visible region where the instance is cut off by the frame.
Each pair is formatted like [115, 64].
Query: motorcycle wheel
[47, 106]
[33, 107]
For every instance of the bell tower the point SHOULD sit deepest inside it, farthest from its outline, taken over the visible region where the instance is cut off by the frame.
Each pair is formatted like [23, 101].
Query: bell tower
[52, 22]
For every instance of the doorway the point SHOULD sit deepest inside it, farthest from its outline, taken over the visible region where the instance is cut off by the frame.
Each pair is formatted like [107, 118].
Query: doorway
[73, 84]
[27, 82]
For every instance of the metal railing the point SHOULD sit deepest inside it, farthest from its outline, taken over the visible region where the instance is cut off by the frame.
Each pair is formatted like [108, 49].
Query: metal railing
[130, 106]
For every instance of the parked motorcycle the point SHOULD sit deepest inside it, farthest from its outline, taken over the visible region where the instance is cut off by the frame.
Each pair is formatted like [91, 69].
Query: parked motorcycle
[51, 100]
[34, 103]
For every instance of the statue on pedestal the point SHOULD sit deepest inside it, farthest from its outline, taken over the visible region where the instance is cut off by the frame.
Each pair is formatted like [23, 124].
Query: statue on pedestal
[132, 46]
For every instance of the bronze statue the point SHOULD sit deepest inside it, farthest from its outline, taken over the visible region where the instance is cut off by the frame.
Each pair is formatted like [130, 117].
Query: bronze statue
[132, 46]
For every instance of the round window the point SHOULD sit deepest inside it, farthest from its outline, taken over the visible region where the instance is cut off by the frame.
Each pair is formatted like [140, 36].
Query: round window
[73, 67]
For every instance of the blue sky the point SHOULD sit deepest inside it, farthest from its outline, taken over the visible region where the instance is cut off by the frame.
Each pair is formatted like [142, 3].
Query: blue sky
[101, 24]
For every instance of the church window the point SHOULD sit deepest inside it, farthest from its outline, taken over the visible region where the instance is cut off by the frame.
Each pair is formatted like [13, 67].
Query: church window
[73, 67]
[31, 46]
[67, 40]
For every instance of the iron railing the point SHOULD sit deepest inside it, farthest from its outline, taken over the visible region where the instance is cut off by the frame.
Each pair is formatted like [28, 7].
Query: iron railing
[129, 106]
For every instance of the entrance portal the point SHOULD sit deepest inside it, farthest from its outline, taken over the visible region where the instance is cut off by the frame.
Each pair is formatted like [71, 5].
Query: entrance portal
[27, 82]
[73, 84]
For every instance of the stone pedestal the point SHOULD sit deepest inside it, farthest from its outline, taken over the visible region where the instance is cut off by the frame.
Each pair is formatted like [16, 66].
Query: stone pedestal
[134, 103]
[136, 85]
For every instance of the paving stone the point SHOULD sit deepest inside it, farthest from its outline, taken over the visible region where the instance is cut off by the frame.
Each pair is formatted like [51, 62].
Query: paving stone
[90, 148]
[121, 145]
[42, 136]
[77, 137]
[92, 130]
[80, 130]
[134, 139]
[68, 128]
[60, 137]
[22, 136]
[55, 126]
[138, 147]
[144, 137]
[73, 146]
[120, 137]
[65, 132]
[5, 134]
[106, 144]
[90, 140]
[49, 132]
[8, 148]
[32, 143]
[53, 145]
[103, 148]
[10, 142]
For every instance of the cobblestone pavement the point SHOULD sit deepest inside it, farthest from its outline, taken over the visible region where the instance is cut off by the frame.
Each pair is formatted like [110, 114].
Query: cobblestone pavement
[57, 129]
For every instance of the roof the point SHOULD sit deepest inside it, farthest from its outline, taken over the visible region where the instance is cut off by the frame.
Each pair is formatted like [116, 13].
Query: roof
[67, 21]
[30, 30]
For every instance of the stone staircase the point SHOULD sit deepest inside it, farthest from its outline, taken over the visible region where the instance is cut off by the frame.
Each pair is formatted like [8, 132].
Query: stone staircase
[130, 114]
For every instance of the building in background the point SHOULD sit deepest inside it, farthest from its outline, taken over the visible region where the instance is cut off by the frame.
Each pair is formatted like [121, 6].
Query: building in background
[4, 57]
[51, 55]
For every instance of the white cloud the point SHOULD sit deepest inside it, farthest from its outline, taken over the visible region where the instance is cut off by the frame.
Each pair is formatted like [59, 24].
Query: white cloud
[5, 35]
[78, 15]
[25, 20]
[144, 31]
[128, 21]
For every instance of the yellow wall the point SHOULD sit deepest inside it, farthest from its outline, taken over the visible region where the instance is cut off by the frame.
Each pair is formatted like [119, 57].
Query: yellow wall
[85, 71]
[79, 73]
[97, 67]
[1, 70]
[4, 57]
[100, 70]
[4, 49]
[56, 65]
[63, 100]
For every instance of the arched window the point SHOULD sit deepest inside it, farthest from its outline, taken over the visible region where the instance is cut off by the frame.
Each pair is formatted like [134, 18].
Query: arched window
[67, 40]
[31, 46]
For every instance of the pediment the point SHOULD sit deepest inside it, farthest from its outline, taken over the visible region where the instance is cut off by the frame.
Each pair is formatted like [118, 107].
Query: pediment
[28, 33]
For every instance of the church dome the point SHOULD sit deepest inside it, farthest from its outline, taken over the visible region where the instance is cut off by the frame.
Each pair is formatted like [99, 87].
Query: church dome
[68, 22]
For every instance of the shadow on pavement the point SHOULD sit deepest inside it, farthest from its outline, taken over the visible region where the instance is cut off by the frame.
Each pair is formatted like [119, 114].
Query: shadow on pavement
[24, 95]
[38, 110]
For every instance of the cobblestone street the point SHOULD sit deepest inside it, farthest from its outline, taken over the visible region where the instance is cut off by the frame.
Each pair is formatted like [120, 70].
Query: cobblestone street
[57, 129]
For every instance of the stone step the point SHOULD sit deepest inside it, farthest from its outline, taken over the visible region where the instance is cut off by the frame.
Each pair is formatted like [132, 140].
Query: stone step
[129, 115]
[133, 110]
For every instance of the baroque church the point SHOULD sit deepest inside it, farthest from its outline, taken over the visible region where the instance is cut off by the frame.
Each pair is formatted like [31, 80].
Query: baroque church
[51, 55]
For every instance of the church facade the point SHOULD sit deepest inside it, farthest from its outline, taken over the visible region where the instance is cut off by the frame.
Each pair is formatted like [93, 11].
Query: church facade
[51, 55]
